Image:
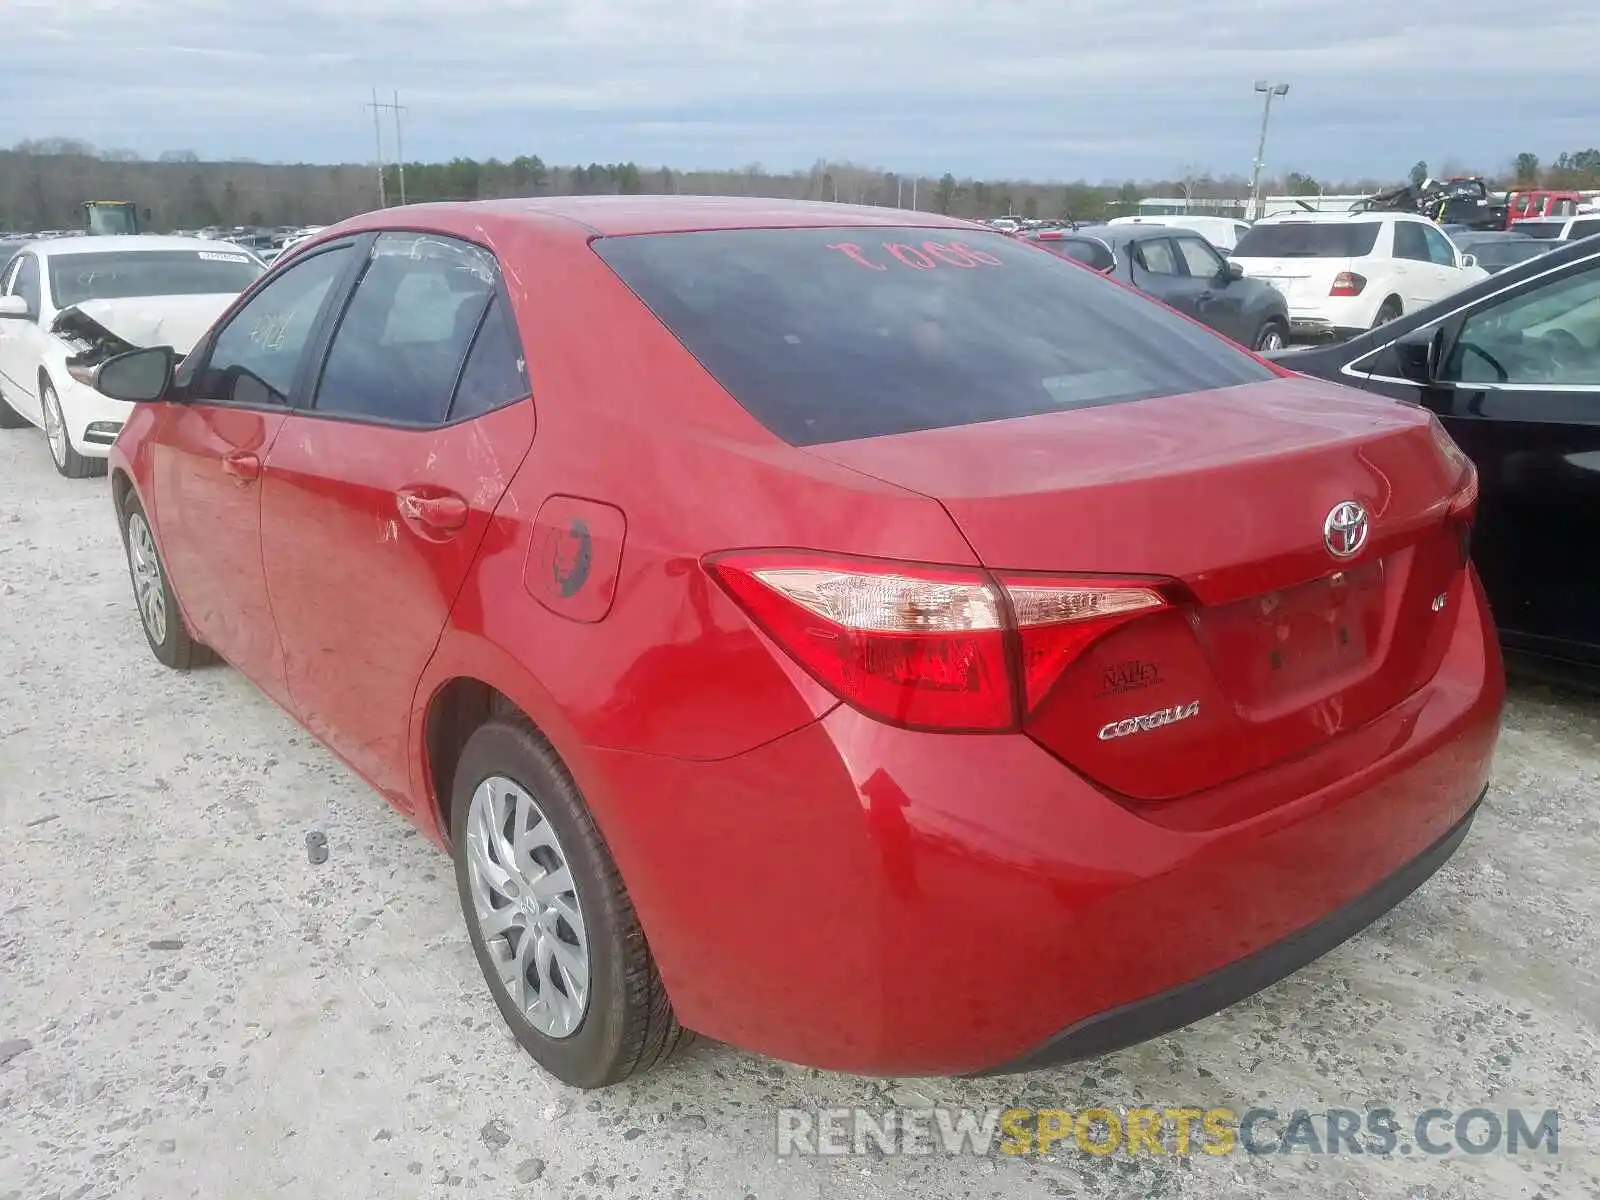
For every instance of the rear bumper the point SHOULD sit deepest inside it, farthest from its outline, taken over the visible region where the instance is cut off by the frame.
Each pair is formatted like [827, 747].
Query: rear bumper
[1170, 1010]
[874, 900]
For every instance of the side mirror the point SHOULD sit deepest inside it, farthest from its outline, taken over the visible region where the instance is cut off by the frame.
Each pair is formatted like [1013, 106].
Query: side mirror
[137, 377]
[1469, 260]
[1233, 270]
[14, 308]
[1419, 353]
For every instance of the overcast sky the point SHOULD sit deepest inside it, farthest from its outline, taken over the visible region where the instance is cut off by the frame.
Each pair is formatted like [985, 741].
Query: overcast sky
[997, 88]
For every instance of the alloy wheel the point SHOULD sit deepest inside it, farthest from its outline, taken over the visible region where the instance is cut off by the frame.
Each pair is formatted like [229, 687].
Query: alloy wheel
[526, 906]
[55, 426]
[148, 589]
[1271, 339]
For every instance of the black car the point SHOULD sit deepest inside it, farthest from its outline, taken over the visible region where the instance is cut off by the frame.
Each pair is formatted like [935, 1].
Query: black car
[1511, 366]
[1181, 269]
[1497, 250]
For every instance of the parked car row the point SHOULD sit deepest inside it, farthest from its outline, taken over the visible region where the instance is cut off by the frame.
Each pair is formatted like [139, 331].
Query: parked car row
[739, 559]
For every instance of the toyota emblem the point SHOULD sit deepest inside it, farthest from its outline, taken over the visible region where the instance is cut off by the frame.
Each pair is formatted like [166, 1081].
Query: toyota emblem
[1345, 530]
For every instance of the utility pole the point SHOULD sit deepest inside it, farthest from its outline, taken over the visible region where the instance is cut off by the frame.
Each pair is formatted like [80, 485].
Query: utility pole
[1270, 90]
[399, 154]
[395, 107]
[377, 133]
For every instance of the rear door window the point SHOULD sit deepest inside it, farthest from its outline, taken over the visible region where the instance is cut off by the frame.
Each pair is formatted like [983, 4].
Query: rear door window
[1309, 239]
[403, 339]
[1584, 227]
[1409, 242]
[1157, 256]
[832, 334]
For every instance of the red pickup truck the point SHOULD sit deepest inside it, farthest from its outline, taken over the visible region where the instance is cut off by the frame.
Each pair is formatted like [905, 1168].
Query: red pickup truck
[1541, 202]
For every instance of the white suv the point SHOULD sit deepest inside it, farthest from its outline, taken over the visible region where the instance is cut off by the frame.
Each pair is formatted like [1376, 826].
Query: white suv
[1344, 273]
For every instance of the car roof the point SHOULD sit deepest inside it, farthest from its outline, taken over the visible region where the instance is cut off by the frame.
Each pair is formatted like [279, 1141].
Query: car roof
[122, 243]
[1141, 232]
[1338, 218]
[609, 216]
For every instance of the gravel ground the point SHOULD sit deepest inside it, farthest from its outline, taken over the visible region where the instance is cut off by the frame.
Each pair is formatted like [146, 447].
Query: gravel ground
[188, 1007]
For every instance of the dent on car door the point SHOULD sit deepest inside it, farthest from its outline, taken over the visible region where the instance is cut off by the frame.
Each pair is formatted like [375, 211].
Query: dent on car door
[376, 498]
[1523, 400]
[206, 461]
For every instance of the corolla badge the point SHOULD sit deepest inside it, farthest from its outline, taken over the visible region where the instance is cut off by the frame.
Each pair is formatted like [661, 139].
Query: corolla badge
[1148, 721]
[1345, 531]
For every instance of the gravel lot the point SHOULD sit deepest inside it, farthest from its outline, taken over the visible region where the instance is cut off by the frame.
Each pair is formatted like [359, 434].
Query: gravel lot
[188, 1007]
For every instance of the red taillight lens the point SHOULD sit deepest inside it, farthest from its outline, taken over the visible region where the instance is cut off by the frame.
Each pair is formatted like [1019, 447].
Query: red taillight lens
[926, 647]
[1347, 283]
[1059, 619]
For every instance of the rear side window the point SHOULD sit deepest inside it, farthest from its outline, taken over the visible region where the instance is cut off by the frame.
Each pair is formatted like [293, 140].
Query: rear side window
[1309, 239]
[495, 374]
[1587, 227]
[828, 335]
[1091, 252]
[1540, 229]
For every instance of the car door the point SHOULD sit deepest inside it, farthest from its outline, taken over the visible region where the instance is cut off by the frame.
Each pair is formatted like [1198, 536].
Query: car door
[377, 495]
[1219, 304]
[22, 339]
[1415, 275]
[1154, 267]
[1448, 273]
[206, 457]
[1519, 391]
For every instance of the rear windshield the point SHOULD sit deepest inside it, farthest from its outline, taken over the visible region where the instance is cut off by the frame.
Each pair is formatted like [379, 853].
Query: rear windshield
[1540, 229]
[1509, 252]
[1308, 239]
[828, 335]
[75, 278]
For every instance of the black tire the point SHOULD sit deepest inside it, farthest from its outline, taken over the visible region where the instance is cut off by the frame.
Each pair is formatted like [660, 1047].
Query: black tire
[1271, 329]
[629, 1025]
[176, 647]
[68, 462]
[10, 418]
[1390, 310]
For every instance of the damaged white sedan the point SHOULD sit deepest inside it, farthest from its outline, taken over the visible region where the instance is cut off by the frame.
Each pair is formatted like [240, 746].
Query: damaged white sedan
[68, 304]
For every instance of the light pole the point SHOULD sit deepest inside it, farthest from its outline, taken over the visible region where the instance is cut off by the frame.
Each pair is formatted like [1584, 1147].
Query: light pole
[1270, 90]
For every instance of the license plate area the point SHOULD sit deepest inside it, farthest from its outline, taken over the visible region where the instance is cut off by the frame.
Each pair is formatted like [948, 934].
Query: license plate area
[1284, 642]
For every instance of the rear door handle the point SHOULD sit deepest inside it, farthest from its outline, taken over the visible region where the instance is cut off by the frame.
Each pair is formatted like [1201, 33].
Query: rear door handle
[445, 513]
[242, 465]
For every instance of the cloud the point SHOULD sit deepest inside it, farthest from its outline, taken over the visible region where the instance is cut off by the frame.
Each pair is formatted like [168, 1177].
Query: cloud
[1019, 88]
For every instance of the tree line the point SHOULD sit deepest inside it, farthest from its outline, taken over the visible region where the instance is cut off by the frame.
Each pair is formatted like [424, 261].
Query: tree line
[44, 182]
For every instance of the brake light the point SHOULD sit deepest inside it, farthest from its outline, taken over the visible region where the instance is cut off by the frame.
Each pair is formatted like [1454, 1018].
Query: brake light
[1048, 235]
[1347, 283]
[928, 647]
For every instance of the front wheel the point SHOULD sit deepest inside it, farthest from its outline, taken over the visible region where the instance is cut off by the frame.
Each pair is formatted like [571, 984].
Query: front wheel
[169, 638]
[550, 920]
[68, 461]
[1270, 337]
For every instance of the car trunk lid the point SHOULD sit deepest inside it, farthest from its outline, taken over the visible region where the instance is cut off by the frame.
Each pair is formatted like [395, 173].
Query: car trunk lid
[1273, 643]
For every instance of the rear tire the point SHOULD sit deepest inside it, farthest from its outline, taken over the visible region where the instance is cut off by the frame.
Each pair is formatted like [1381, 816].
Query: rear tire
[169, 638]
[1390, 310]
[509, 777]
[1271, 336]
[68, 461]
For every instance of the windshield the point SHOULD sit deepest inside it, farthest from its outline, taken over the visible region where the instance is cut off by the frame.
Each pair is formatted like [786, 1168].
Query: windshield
[75, 278]
[826, 335]
[1308, 239]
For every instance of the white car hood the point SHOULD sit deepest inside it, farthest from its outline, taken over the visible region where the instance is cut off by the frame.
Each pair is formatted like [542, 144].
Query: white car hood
[140, 321]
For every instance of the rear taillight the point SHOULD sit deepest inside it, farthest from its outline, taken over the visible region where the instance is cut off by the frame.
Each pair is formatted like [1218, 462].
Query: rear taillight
[1347, 283]
[928, 647]
[1461, 507]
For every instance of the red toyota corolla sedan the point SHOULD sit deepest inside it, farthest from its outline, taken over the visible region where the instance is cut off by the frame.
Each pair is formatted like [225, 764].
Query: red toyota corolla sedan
[851, 634]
